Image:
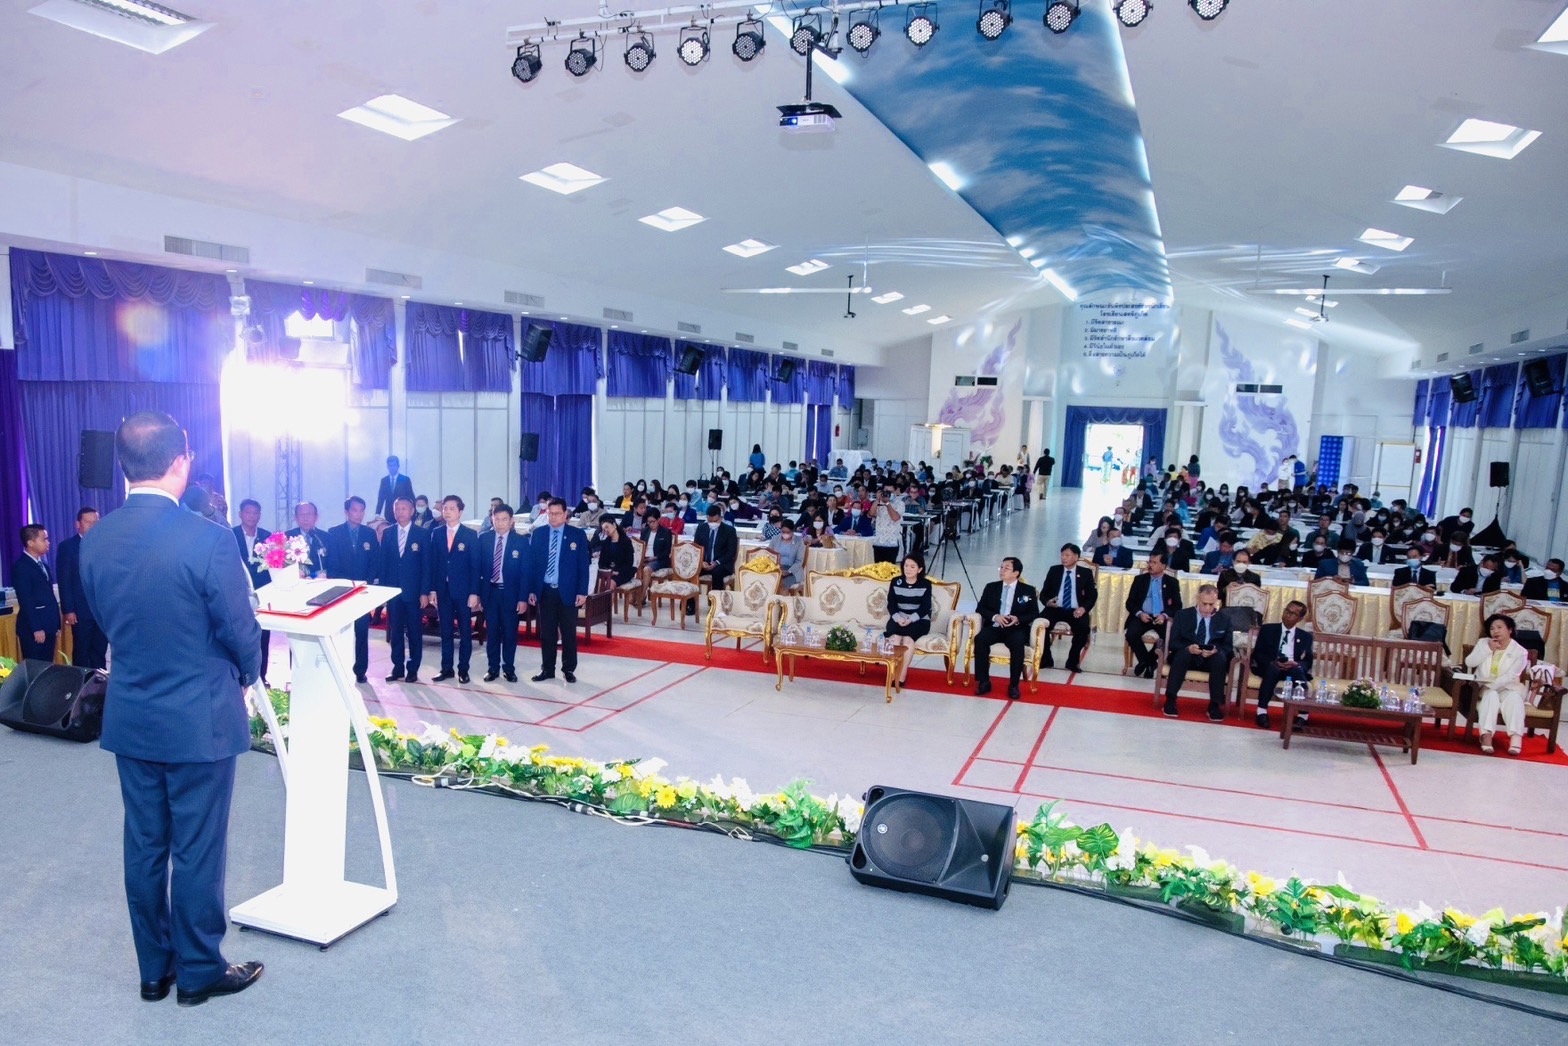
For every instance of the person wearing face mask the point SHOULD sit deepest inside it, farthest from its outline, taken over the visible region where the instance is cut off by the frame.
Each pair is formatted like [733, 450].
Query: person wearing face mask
[770, 529]
[593, 511]
[1413, 573]
[856, 522]
[660, 542]
[1113, 553]
[1375, 551]
[1179, 552]
[1426, 541]
[1455, 553]
[1281, 553]
[672, 519]
[1478, 580]
[685, 512]
[1239, 572]
[738, 510]
[1549, 587]
[1317, 554]
[818, 534]
[1344, 564]
[1513, 567]
[1463, 523]
[791, 550]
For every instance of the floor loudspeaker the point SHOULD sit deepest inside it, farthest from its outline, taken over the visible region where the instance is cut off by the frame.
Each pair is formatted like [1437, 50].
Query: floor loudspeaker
[1499, 473]
[956, 849]
[715, 439]
[528, 447]
[58, 700]
[95, 462]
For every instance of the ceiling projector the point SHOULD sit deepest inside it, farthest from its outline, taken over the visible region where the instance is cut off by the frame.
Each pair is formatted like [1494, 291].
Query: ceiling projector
[807, 117]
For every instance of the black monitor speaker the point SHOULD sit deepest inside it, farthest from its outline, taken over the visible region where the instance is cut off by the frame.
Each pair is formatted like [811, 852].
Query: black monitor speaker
[536, 342]
[785, 372]
[1538, 375]
[1499, 473]
[690, 360]
[58, 700]
[956, 849]
[715, 439]
[528, 447]
[95, 462]
[1463, 388]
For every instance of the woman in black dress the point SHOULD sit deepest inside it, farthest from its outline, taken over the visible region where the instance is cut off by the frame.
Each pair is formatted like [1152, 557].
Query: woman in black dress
[615, 552]
[908, 612]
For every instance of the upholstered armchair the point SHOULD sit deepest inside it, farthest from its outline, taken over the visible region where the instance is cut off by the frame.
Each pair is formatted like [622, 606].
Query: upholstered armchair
[745, 610]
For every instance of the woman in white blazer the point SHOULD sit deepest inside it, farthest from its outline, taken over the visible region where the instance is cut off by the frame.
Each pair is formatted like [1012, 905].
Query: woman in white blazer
[1498, 663]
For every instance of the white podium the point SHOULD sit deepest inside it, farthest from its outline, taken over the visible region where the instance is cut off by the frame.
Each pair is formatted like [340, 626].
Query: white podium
[315, 902]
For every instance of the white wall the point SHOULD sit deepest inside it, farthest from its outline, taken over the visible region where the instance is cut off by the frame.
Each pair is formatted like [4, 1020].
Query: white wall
[667, 439]
[1246, 436]
[1357, 396]
[893, 397]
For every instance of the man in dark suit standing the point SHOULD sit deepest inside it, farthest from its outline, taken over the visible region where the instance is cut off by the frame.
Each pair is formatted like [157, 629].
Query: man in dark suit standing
[305, 515]
[454, 585]
[171, 594]
[1152, 600]
[37, 611]
[394, 485]
[556, 579]
[1007, 609]
[1201, 640]
[248, 535]
[1413, 573]
[720, 546]
[352, 555]
[405, 565]
[501, 552]
[1282, 652]
[89, 649]
[1069, 593]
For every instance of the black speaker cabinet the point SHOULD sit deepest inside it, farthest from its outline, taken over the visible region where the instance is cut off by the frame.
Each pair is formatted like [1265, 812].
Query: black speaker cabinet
[1499, 473]
[1538, 375]
[536, 342]
[715, 439]
[528, 447]
[956, 849]
[1463, 388]
[785, 372]
[58, 700]
[95, 461]
[689, 360]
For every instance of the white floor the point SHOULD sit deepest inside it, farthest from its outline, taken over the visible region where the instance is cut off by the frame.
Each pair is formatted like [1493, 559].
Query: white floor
[1457, 829]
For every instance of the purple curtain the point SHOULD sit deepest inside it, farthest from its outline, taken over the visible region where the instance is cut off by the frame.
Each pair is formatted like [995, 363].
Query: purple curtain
[572, 366]
[82, 319]
[821, 381]
[819, 433]
[1497, 396]
[638, 365]
[1540, 412]
[372, 327]
[748, 376]
[846, 386]
[13, 463]
[438, 361]
[565, 428]
[708, 383]
[1418, 417]
[791, 391]
[57, 412]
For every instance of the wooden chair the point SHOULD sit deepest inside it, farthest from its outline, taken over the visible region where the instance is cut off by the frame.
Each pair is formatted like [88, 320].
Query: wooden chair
[599, 607]
[1397, 598]
[683, 583]
[1533, 619]
[1413, 664]
[635, 591]
[1061, 629]
[1319, 585]
[1333, 612]
[1499, 602]
[1034, 650]
[763, 551]
[746, 609]
[1196, 682]
[1423, 608]
[1241, 594]
[1547, 714]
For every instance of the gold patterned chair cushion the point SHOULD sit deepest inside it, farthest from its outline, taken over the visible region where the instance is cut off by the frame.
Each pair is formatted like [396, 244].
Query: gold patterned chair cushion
[674, 588]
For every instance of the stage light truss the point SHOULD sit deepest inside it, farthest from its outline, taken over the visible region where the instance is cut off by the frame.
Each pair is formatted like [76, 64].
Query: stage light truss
[583, 54]
[639, 51]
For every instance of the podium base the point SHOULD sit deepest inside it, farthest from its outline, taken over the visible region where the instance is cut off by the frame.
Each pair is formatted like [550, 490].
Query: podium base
[321, 913]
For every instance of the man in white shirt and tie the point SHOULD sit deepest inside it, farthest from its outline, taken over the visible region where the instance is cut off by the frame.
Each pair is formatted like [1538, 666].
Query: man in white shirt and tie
[1006, 609]
[37, 610]
[1283, 652]
[1070, 594]
[1201, 641]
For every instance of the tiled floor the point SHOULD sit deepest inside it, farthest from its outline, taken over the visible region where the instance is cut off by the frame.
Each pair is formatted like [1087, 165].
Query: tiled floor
[1458, 829]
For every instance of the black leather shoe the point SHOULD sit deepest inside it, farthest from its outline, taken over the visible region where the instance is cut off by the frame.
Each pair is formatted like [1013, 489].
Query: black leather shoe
[1216, 715]
[394, 677]
[1048, 663]
[444, 675]
[359, 677]
[1300, 723]
[1074, 668]
[542, 676]
[157, 991]
[1012, 691]
[982, 688]
[412, 677]
[492, 675]
[570, 677]
[1170, 711]
[510, 677]
[1263, 720]
[462, 677]
[235, 979]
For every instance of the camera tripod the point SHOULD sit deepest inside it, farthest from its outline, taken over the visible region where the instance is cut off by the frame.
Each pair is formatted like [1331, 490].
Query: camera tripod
[949, 540]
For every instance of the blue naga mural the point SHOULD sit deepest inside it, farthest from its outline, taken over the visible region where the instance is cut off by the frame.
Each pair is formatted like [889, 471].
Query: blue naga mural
[983, 411]
[1261, 429]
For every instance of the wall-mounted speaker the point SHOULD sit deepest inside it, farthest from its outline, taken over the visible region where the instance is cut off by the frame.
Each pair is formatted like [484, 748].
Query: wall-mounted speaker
[536, 342]
[1463, 388]
[95, 461]
[785, 371]
[715, 439]
[956, 849]
[58, 700]
[1499, 473]
[528, 447]
[1538, 376]
[690, 361]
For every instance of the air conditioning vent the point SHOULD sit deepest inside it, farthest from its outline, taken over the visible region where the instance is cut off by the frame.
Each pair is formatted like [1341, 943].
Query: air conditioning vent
[828, 353]
[688, 328]
[1475, 350]
[1519, 337]
[1442, 357]
[618, 314]
[790, 346]
[964, 381]
[533, 301]
[986, 381]
[394, 279]
[745, 339]
[206, 249]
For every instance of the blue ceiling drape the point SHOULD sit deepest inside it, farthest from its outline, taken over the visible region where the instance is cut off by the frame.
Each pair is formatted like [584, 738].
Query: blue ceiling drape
[572, 366]
[1497, 395]
[372, 326]
[13, 463]
[1438, 403]
[1460, 415]
[637, 366]
[1540, 412]
[1418, 415]
[821, 381]
[438, 362]
[748, 377]
[1077, 428]
[787, 392]
[846, 386]
[708, 383]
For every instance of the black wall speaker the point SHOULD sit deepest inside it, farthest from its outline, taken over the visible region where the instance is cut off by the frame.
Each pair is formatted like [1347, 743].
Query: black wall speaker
[1499, 473]
[58, 700]
[1538, 375]
[1463, 388]
[690, 361]
[785, 372]
[715, 439]
[956, 849]
[528, 447]
[95, 462]
[536, 342]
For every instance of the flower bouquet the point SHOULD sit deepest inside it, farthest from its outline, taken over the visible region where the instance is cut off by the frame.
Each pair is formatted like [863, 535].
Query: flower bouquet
[6, 666]
[283, 556]
[1361, 694]
[841, 639]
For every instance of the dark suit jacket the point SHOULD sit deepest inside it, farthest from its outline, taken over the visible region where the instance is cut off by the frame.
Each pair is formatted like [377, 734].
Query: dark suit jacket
[726, 547]
[1329, 567]
[661, 545]
[1106, 556]
[258, 575]
[1535, 588]
[36, 609]
[511, 565]
[571, 567]
[317, 540]
[1384, 555]
[455, 572]
[1211, 562]
[1185, 632]
[1266, 649]
[1425, 577]
[390, 493]
[352, 560]
[410, 571]
[1180, 558]
[1230, 575]
[1470, 577]
[1026, 602]
[168, 588]
[616, 557]
[1083, 586]
[68, 576]
[1170, 592]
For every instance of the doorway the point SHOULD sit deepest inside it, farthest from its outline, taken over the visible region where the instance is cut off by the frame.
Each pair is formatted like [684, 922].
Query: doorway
[1111, 455]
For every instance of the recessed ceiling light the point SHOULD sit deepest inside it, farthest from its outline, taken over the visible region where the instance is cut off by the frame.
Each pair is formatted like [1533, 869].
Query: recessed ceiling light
[308, 283]
[1555, 39]
[398, 116]
[231, 271]
[407, 296]
[564, 178]
[1486, 138]
[916, 310]
[94, 254]
[1027, 252]
[889, 298]
[1304, 311]
[1015, 241]
[1317, 299]
[1365, 268]
[950, 178]
[1423, 199]
[1038, 263]
[750, 248]
[806, 268]
[938, 319]
[1390, 241]
[144, 26]
[1303, 324]
[672, 219]
[457, 303]
[1060, 284]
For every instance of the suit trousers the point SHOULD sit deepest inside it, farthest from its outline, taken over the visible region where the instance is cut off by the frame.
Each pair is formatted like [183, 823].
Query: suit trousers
[406, 624]
[1080, 627]
[266, 650]
[1270, 678]
[500, 629]
[361, 644]
[557, 624]
[454, 616]
[1015, 639]
[1144, 655]
[32, 650]
[89, 646]
[177, 813]
[1182, 662]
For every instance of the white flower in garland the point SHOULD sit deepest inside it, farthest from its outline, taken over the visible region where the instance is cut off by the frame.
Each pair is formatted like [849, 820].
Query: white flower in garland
[487, 750]
[433, 736]
[648, 768]
[1126, 855]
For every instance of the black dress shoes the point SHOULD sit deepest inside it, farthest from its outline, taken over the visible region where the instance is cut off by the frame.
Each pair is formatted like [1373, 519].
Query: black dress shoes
[982, 688]
[359, 677]
[394, 677]
[510, 677]
[462, 677]
[235, 979]
[1012, 691]
[1170, 711]
[1216, 715]
[1263, 720]
[444, 675]
[542, 676]
[492, 675]
[157, 991]
[1074, 668]
[412, 677]
[570, 677]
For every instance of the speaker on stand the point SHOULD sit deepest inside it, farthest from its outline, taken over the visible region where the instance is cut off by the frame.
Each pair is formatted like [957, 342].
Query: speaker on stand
[57, 700]
[527, 453]
[715, 444]
[1493, 534]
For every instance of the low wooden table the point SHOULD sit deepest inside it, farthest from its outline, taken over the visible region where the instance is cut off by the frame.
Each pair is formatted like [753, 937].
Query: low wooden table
[874, 657]
[1407, 738]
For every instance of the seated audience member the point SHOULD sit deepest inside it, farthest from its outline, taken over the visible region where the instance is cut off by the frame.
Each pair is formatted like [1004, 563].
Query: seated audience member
[614, 550]
[773, 524]
[909, 612]
[1152, 600]
[791, 551]
[1478, 580]
[1069, 593]
[1375, 551]
[739, 510]
[1413, 573]
[1324, 532]
[660, 542]
[818, 534]
[1101, 535]
[1006, 609]
[672, 520]
[1113, 553]
[1282, 652]
[1498, 662]
[1454, 553]
[685, 510]
[856, 522]
[720, 547]
[1281, 553]
[1221, 557]
[1549, 587]
[1514, 565]
[1179, 552]
[1344, 564]
[423, 517]
[1201, 640]
[1238, 571]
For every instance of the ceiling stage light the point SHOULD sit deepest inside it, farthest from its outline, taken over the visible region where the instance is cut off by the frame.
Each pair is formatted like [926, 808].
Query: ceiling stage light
[583, 55]
[639, 52]
[749, 40]
[863, 30]
[804, 36]
[1132, 12]
[995, 17]
[921, 25]
[1209, 10]
[1060, 15]
[527, 64]
[693, 49]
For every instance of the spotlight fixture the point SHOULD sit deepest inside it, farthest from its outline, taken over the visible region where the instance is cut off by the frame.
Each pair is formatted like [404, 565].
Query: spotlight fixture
[995, 17]
[805, 34]
[693, 48]
[1131, 13]
[639, 52]
[864, 28]
[921, 25]
[749, 40]
[1060, 15]
[527, 64]
[1209, 10]
[584, 54]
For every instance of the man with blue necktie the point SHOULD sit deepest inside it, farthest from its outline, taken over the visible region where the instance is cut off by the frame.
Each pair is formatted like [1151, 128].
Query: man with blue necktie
[720, 546]
[556, 579]
[248, 535]
[1070, 594]
[405, 565]
[353, 555]
[89, 649]
[501, 590]
[1549, 587]
[454, 585]
[171, 594]
[305, 515]
[1152, 600]
[37, 611]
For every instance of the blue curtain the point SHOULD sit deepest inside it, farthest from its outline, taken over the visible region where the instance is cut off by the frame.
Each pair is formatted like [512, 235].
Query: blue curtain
[1442, 411]
[1540, 412]
[821, 381]
[438, 361]
[637, 366]
[1436, 443]
[565, 428]
[1080, 418]
[82, 319]
[1418, 416]
[1497, 395]
[787, 392]
[372, 326]
[13, 463]
[846, 386]
[708, 383]
[572, 366]
[819, 433]
[748, 378]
